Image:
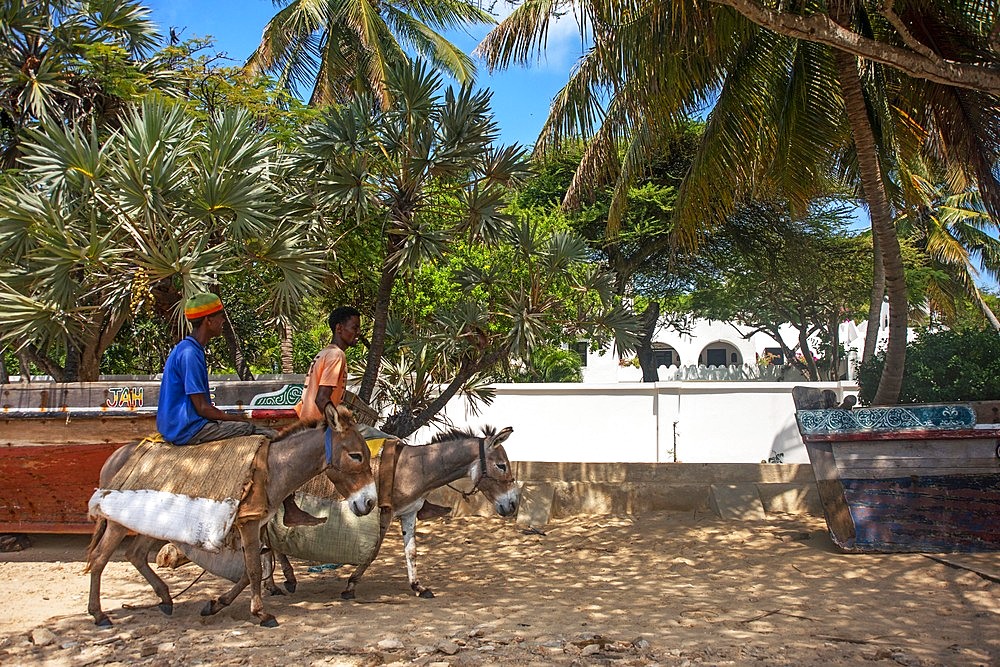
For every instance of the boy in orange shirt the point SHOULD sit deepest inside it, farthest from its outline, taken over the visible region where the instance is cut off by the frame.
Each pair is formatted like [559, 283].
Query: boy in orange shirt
[326, 380]
[327, 377]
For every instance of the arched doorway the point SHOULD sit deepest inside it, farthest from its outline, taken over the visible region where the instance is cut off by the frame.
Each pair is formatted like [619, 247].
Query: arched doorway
[720, 353]
[665, 355]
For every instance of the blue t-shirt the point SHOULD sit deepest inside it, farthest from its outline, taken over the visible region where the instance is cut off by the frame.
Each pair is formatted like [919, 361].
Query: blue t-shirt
[185, 373]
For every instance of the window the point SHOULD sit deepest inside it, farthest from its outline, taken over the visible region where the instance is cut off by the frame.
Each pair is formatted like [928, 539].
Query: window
[663, 358]
[581, 347]
[715, 357]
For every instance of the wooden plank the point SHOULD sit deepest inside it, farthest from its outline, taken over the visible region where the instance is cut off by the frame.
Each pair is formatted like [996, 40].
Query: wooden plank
[925, 514]
[906, 434]
[917, 449]
[49, 485]
[60, 431]
[831, 494]
[913, 470]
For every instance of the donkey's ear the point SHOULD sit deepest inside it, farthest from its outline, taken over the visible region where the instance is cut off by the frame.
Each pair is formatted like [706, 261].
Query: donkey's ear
[339, 418]
[498, 438]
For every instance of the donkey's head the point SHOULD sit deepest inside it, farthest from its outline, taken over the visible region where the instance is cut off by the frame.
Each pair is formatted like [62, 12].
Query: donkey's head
[496, 475]
[349, 465]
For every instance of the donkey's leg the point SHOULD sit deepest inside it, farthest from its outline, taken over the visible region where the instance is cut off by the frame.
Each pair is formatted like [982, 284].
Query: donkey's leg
[352, 582]
[286, 569]
[271, 587]
[250, 536]
[138, 555]
[408, 524]
[215, 606]
[107, 536]
[291, 583]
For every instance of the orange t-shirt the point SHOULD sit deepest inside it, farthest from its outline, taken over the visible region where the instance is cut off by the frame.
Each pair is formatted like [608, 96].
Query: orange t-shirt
[328, 369]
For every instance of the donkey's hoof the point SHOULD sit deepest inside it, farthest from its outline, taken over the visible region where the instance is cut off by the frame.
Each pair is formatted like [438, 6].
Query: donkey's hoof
[167, 609]
[269, 622]
[275, 590]
[210, 608]
[347, 595]
[426, 594]
[290, 586]
[103, 622]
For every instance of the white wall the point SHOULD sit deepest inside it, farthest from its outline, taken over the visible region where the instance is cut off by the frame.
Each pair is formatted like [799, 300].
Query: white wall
[691, 422]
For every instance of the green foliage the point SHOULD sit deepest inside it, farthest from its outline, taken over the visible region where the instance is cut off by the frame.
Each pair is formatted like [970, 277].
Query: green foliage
[70, 63]
[99, 226]
[638, 247]
[333, 53]
[942, 366]
[140, 348]
[464, 281]
[551, 364]
[762, 269]
[210, 89]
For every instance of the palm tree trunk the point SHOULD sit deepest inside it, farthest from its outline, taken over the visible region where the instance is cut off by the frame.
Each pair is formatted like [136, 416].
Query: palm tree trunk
[987, 311]
[72, 368]
[287, 357]
[834, 373]
[32, 355]
[383, 298]
[95, 341]
[647, 361]
[812, 371]
[24, 365]
[873, 186]
[875, 305]
[236, 350]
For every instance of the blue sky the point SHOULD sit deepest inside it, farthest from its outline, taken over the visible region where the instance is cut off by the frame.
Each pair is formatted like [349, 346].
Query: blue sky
[521, 96]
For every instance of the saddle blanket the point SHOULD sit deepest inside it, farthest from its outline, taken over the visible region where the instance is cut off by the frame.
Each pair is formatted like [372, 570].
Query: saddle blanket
[190, 494]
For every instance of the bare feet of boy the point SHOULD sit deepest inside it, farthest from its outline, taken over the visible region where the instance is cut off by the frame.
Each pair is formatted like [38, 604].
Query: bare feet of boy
[295, 516]
[432, 511]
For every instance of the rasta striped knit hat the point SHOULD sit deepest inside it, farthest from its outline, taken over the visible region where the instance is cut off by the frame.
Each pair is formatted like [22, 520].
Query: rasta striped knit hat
[202, 305]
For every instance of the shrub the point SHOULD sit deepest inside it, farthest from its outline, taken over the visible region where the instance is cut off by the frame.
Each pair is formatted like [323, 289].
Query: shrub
[942, 366]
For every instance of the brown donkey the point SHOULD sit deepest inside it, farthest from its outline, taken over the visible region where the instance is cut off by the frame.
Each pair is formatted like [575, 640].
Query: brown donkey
[293, 458]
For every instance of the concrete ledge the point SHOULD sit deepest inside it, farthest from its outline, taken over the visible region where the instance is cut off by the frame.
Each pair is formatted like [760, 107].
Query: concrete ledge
[666, 473]
[735, 490]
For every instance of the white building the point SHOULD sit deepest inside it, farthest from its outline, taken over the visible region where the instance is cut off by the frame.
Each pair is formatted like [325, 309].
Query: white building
[717, 350]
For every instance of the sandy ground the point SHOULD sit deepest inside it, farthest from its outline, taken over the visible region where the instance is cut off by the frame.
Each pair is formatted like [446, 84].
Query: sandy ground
[671, 589]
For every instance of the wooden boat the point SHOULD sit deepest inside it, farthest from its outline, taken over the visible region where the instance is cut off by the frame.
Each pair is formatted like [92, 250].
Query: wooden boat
[907, 478]
[54, 438]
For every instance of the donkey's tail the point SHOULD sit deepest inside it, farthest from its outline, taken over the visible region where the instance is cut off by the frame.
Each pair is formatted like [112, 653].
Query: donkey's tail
[99, 529]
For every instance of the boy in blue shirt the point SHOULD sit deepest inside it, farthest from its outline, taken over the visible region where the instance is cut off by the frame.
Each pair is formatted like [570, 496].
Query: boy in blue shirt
[185, 414]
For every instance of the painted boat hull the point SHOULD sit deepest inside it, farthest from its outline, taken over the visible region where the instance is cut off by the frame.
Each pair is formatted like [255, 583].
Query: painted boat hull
[897, 487]
[54, 438]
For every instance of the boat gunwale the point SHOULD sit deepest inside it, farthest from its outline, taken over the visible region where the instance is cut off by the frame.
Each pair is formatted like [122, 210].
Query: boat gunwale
[905, 434]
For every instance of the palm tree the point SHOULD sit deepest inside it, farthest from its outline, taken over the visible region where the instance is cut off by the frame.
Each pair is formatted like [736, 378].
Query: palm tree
[99, 226]
[421, 178]
[343, 49]
[56, 57]
[394, 168]
[785, 113]
[956, 233]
